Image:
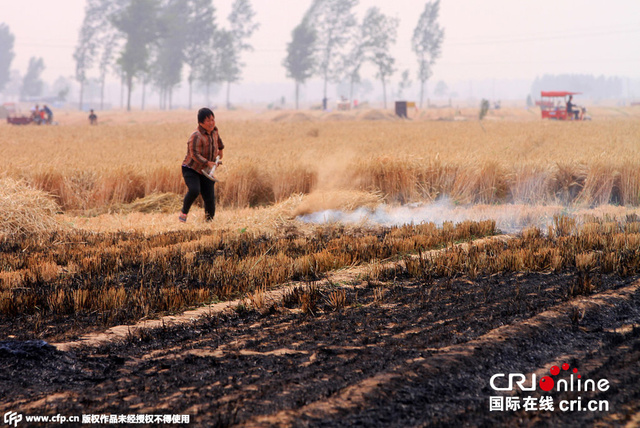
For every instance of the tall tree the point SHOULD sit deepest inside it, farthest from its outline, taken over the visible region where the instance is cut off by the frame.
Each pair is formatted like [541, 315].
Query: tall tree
[86, 48]
[97, 41]
[441, 89]
[382, 31]
[138, 23]
[334, 21]
[242, 28]
[300, 59]
[13, 87]
[166, 70]
[352, 61]
[108, 40]
[218, 61]
[32, 83]
[404, 84]
[61, 88]
[227, 60]
[427, 42]
[201, 29]
[143, 78]
[6, 54]
[108, 43]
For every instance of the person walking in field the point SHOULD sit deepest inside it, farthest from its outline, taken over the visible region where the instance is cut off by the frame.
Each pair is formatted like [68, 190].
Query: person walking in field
[203, 148]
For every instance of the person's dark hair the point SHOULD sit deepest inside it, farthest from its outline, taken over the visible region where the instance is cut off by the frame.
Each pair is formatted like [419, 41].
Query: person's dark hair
[204, 113]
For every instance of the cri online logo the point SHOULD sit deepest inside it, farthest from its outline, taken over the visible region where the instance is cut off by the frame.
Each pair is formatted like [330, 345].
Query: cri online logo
[547, 383]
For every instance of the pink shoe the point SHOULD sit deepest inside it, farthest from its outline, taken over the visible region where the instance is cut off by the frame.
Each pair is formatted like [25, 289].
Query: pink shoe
[182, 217]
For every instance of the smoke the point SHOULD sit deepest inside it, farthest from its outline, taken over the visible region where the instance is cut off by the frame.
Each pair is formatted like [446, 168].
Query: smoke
[509, 218]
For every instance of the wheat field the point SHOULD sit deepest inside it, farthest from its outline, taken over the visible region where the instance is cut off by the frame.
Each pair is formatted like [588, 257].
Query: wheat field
[130, 162]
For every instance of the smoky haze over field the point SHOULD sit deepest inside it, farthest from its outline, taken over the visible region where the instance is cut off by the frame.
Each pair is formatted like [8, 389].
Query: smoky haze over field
[495, 49]
[509, 218]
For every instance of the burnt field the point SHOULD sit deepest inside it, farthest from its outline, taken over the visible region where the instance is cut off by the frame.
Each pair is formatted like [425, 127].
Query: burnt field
[407, 330]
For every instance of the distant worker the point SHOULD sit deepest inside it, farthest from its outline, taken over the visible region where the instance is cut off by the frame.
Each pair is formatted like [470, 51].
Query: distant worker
[93, 119]
[570, 109]
[47, 111]
[35, 114]
[204, 150]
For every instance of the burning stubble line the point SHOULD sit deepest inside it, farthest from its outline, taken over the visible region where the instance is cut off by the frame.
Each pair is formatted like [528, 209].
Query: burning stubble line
[509, 218]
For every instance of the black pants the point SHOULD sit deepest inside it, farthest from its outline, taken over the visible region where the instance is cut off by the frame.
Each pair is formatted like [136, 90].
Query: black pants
[198, 184]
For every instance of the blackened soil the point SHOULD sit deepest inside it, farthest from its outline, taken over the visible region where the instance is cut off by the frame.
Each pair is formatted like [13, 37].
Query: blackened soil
[396, 354]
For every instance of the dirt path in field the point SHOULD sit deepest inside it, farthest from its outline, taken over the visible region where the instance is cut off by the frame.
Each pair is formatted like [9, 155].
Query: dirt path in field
[342, 276]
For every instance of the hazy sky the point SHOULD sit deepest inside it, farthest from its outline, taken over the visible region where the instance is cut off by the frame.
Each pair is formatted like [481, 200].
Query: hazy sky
[518, 39]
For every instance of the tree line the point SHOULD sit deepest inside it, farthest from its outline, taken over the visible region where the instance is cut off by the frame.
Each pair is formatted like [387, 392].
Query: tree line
[330, 43]
[149, 42]
[32, 84]
[152, 41]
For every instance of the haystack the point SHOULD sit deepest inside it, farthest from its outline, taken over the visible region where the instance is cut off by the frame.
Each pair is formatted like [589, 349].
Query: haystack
[26, 210]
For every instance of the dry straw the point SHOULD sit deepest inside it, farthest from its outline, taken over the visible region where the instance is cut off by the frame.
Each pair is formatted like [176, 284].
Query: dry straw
[25, 210]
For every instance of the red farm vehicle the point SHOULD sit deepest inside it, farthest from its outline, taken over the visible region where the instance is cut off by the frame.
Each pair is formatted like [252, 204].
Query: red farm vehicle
[558, 105]
[14, 117]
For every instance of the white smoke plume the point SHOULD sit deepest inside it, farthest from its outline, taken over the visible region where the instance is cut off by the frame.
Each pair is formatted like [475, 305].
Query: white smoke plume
[509, 218]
